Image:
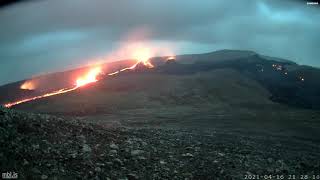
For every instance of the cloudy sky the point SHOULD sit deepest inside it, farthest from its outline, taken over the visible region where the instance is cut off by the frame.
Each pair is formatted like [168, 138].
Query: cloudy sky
[52, 35]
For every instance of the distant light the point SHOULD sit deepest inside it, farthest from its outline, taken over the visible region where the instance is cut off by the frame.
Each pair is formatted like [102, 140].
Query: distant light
[171, 58]
[301, 78]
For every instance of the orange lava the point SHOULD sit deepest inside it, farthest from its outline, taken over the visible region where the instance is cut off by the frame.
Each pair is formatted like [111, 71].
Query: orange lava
[143, 55]
[171, 57]
[146, 63]
[28, 85]
[61, 91]
[90, 77]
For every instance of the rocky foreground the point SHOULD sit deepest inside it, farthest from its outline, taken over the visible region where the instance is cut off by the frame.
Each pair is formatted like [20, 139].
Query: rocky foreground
[47, 147]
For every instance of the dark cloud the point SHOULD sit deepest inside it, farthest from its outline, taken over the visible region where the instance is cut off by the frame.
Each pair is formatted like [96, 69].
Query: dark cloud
[51, 35]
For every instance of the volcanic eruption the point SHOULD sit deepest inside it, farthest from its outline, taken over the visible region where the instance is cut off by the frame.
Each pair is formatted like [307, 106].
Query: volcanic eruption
[28, 85]
[90, 77]
[143, 56]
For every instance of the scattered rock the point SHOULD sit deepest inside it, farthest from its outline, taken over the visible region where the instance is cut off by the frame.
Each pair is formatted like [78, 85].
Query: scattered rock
[86, 148]
[188, 175]
[132, 176]
[109, 163]
[25, 162]
[113, 146]
[74, 155]
[125, 178]
[136, 152]
[142, 158]
[129, 141]
[35, 146]
[187, 155]
[113, 152]
[44, 176]
[58, 149]
[35, 170]
[118, 161]
[162, 162]
[249, 173]
[100, 164]
[98, 169]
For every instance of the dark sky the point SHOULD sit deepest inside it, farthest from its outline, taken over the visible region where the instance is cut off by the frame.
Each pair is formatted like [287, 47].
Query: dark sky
[52, 35]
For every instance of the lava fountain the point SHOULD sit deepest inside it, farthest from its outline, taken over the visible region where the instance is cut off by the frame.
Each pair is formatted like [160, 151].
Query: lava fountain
[90, 77]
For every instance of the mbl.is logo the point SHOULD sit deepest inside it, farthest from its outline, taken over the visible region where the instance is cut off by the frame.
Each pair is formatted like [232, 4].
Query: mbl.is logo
[10, 175]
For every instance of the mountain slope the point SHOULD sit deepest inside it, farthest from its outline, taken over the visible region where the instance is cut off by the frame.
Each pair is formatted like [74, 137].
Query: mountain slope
[222, 99]
[287, 82]
[53, 81]
[202, 120]
[137, 90]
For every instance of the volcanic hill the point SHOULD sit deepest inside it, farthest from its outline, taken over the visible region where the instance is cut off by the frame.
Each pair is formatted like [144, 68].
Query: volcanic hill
[222, 114]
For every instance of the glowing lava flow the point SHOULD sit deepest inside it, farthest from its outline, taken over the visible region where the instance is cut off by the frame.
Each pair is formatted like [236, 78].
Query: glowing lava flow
[61, 91]
[143, 56]
[90, 77]
[146, 63]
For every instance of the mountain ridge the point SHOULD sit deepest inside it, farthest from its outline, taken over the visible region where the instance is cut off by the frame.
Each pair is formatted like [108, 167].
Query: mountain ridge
[282, 78]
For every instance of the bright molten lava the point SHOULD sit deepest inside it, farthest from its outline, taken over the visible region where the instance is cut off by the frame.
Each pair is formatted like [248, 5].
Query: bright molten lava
[143, 55]
[28, 85]
[89, 78]
[61, 91]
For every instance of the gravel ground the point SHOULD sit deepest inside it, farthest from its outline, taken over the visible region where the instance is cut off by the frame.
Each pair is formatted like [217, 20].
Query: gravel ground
[48, 147]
